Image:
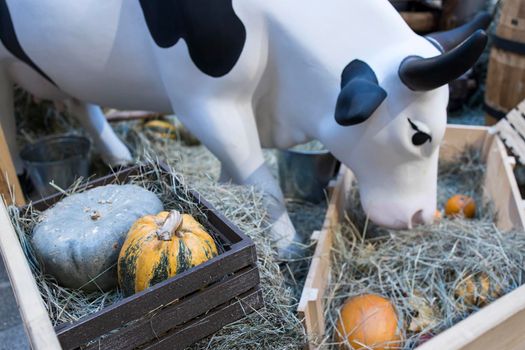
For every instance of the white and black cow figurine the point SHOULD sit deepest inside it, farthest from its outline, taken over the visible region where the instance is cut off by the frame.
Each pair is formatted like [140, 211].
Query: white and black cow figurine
[246, 74]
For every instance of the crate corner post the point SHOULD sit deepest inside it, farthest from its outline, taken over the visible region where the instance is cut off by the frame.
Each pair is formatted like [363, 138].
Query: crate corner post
[9, 184]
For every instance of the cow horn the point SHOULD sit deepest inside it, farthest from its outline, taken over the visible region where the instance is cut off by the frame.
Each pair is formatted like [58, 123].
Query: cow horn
[360, 94]
[424, 74]
[446, 41]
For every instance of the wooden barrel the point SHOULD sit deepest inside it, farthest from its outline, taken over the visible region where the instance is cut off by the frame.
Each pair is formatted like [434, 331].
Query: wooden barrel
[506, 74]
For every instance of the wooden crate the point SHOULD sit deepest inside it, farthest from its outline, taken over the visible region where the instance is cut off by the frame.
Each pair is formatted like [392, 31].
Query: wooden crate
[170, 315]
[497, 326]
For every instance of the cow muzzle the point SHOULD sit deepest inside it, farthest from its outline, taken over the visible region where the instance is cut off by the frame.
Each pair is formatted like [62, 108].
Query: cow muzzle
[400, 216]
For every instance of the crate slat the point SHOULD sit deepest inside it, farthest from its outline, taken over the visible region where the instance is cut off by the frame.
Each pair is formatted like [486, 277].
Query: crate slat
[34, 314]
[210, 323]
[132, 308]
[499, 325]
[178, 313]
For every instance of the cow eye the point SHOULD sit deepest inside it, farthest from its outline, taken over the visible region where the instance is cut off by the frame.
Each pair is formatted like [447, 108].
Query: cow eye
[420, 138]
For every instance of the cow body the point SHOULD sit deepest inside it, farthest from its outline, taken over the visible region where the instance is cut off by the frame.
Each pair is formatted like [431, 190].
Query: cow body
[242, 74]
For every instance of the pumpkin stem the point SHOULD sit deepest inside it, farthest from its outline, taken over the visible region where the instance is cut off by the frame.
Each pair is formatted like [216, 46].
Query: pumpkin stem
[170, 226]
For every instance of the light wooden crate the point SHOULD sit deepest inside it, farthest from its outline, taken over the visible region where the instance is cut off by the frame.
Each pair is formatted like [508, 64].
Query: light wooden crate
[497, 326]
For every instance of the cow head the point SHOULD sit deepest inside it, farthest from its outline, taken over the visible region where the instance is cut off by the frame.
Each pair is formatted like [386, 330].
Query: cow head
[399, 125]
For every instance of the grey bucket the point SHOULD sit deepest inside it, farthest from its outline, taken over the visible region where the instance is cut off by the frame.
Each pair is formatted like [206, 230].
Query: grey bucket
[60, 159]
[305, 174]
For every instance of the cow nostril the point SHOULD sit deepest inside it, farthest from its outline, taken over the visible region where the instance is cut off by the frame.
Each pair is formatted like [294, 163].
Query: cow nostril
[417, 218]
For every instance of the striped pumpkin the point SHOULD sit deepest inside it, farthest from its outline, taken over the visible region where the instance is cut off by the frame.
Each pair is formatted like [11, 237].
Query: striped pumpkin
[161, 246]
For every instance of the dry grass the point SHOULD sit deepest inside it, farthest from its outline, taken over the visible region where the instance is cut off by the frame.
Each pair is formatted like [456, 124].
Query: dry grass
[276, 326]
[273, 327]
[422, 271]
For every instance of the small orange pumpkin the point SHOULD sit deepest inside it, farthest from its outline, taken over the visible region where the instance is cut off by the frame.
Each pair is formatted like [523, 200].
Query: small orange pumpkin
[368, 322]
[161, 246]
[461, 205]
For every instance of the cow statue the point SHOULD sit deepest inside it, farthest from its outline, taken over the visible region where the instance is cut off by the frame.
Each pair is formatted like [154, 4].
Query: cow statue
[247, 74]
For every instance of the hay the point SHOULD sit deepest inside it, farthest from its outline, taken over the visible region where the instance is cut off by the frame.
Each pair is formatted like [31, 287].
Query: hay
[274, 327]
[423, 270]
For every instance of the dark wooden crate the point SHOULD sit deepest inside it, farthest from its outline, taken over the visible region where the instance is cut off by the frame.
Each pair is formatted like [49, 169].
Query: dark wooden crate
[181, 310]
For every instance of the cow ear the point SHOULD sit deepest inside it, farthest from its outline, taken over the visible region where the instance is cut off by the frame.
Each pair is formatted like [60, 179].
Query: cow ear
[360, 94]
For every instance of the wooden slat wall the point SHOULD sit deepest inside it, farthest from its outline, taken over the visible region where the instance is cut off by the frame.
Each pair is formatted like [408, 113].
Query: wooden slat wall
[159, 322]
[209, 323]
[311, 305]
[136, 306]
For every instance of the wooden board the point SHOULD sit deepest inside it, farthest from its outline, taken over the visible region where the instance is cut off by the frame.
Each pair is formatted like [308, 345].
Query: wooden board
[511, 131]
[38, 327]
[497, 326]
[310, 308]
[179, 312]
[9, 184]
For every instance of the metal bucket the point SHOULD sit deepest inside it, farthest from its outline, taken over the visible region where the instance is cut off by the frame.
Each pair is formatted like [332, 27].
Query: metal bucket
[305, 174]
[60, 159]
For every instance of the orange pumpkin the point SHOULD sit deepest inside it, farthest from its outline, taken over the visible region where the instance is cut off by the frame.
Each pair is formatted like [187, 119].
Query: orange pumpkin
[460, 205]
[368, 322]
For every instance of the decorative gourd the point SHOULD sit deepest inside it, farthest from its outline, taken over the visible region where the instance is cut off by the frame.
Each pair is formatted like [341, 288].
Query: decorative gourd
[79, 239]
[161, 129]
[369, 322]
[460, 205]
[477, 289]
[162, 246]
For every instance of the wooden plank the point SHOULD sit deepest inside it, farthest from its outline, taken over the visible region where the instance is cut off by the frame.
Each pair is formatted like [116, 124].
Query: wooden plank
[34, 314]
[512, 139]
[457, 137]
[179, 312]
[501, 188]
[497, 326]
[136, 306]
[9, 183]
[516, 118]
[311, 305]
[209, 324]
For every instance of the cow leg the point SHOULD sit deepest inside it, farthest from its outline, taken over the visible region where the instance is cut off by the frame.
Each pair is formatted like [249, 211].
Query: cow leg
[111, 148]
[224, 176]
[230, 133]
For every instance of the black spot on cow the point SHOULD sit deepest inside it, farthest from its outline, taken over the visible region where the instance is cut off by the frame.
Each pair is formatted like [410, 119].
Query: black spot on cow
[10, 40]
[213, 32]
